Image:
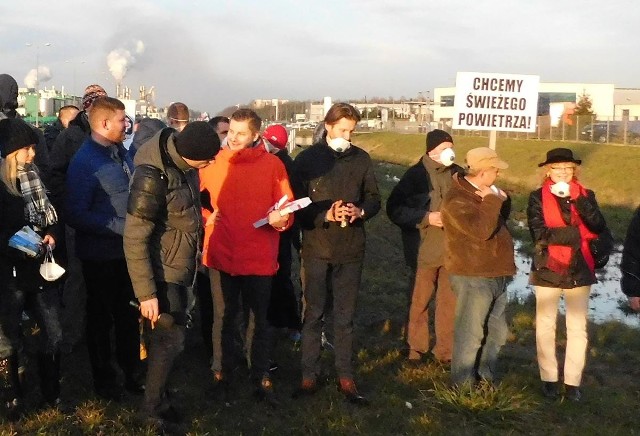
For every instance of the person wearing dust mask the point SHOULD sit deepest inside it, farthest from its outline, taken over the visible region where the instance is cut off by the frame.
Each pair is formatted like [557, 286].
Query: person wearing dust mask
[339, 179]
[414, 206]
[563, 216]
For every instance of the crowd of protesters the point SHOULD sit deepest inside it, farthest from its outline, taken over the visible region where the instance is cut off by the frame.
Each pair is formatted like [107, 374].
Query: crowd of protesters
[198, 210]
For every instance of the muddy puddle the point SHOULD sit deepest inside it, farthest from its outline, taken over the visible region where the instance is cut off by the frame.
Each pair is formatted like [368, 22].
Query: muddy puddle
[605, 298]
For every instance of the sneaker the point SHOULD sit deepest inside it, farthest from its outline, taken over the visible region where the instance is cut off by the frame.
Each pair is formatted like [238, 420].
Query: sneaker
[573, 393]
[550, 390]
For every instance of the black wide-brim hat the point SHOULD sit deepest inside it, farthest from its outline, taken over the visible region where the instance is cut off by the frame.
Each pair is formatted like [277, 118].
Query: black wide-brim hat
[557, 155]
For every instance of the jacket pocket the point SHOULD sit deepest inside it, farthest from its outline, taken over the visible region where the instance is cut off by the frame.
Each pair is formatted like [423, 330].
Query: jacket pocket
[540, 258]
[170, 244]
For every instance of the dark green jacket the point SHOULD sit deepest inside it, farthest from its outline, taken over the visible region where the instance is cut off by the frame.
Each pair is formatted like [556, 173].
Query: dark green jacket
[163, 228]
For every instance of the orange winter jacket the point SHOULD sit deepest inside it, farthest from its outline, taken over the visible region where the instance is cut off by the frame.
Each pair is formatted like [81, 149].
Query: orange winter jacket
[243, 185]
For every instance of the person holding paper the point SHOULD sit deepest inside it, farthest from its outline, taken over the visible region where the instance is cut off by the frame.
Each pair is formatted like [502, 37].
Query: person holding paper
[244, 183]
[339, 179]
[24, 202]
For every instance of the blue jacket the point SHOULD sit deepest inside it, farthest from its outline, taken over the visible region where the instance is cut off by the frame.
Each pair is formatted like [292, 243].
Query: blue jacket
[97, 190]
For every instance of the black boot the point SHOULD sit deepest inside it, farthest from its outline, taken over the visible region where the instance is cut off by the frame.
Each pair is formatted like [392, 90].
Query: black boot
[49, 373]
[11, 388]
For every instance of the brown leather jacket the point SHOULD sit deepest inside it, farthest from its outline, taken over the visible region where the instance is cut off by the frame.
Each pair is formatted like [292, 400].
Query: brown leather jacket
[477, 241]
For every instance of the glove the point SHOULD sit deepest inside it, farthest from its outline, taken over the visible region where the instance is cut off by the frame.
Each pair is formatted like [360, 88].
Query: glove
[575, 190]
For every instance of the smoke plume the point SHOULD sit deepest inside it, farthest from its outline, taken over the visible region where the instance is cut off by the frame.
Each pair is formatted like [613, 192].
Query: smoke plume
[31, 79]
[120, 60]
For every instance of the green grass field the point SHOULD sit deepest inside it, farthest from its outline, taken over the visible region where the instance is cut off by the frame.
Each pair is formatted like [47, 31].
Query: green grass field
[405, 400]
[611, 171]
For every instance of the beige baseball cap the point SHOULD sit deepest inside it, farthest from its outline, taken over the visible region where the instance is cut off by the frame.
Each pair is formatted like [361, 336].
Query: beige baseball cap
[483, 157]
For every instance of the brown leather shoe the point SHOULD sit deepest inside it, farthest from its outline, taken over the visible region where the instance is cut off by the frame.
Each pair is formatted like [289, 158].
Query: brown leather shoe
[307, 388]
[219, 389]
[348, 388]
[264, 392]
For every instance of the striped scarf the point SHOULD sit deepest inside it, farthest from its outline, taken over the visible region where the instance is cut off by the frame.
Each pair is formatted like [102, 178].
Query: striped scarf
[38, 210]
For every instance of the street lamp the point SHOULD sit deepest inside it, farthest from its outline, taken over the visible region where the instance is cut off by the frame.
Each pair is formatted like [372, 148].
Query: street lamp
[37, 46]
[74, 91]
[428, 109]
[420, 98]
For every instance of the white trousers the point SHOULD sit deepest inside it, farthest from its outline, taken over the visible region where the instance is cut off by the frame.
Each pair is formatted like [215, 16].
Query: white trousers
[576, 305]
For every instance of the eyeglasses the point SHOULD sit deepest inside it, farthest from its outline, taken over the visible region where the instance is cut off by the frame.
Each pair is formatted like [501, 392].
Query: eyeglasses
[560, 169]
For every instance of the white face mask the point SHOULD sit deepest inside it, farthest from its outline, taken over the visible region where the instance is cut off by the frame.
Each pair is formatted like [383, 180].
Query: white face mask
[560, 189]
[446, 157]
[339, 144]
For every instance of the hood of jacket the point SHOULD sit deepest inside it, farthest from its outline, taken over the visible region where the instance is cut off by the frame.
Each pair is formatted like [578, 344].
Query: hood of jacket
[149, 152]
[8, 94]
[81, 121]
[147, 128]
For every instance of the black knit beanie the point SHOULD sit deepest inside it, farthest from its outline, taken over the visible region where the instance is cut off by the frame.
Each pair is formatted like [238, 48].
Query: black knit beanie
[198, 141]
[14, 135]
[437, 137]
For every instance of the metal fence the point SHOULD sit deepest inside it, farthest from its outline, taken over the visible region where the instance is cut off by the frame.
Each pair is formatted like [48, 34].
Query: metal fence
[576, 128]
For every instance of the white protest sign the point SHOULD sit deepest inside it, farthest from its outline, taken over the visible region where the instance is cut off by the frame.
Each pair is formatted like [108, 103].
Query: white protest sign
[504, 102]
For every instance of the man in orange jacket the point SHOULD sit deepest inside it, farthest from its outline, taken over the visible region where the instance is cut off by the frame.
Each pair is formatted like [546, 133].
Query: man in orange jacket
[244, 183]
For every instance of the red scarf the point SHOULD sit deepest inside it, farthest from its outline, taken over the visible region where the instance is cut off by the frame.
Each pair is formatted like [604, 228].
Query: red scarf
[560, 255]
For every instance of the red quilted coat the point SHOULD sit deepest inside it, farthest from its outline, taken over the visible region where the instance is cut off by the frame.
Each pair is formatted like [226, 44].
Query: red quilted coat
[243, 185]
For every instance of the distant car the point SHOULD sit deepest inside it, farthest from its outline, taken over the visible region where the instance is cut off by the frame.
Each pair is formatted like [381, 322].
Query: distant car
[599, 132]
[613, 130]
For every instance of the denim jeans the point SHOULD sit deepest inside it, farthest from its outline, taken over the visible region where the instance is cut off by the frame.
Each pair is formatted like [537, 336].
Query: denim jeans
[22, 288]
[44, 306]
[480, 327]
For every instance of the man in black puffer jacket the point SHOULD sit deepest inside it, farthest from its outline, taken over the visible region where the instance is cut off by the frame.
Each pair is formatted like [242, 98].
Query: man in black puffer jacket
[162, 241]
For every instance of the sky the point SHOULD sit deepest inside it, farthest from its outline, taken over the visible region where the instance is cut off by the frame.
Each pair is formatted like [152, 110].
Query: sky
[211, 54]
